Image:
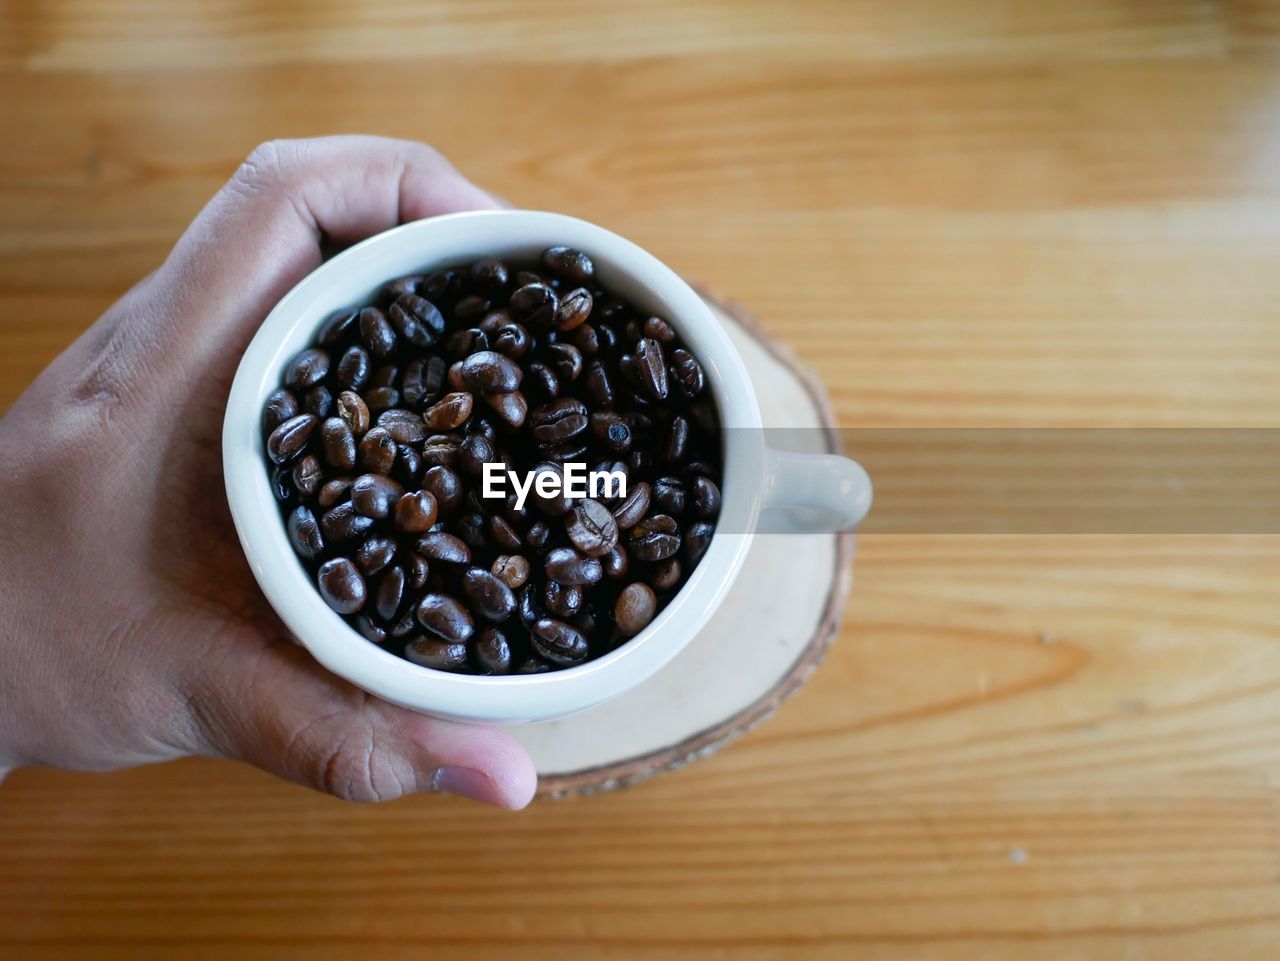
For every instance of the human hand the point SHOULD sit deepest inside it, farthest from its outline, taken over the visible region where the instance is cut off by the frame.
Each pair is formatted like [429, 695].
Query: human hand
[135, 630]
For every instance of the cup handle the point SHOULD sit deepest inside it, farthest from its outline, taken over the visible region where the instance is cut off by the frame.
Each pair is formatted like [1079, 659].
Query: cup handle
[832, 492]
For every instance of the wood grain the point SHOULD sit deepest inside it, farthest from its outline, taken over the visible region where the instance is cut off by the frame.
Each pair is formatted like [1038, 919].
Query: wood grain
[978, 213]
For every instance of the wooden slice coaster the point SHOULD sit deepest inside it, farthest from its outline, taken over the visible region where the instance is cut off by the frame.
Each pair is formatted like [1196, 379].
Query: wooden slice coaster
[772, 630]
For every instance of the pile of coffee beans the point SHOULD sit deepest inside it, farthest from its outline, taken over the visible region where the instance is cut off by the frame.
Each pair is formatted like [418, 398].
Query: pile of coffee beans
[378, 437]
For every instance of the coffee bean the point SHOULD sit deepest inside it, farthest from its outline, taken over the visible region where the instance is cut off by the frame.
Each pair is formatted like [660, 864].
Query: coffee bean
[307, 474]
[282, 488]
[512, 569]
[569, 567]
[534, 304]
[444, 548]
[651, 368]
[416, 319]
[452, 411]
[343, 523]
[341, 585]
[584, 338]
[573, 265]
[558, 420]
[340, 326]
[390, 593]
[354, 368]
[634, 507]
[476, 451]
[696, 541]
[408, 466]
[574, 309]
[659, 330]
[557, 642]
[377, 333]
[511, 407]
[353, 412]
[615, 564]
[281, 406]
[439, 655]
[417, 570]
[537, 535]
[333, 491]
[512, 340]
[562, 600]
[377, 451]
[445, 617]
[338, 443]
[665, 575]
[502, 534]
[489, 596]
[307, 369]
[415, 512]
[491, 371]
[677, 441]
[471, 308]
[669, 495]
[375, 554]
[528, 604]
[654, 539]
[591, 528]
[445, 486]
[287, 441]
[370, 629]
[611, 432]
[705, 498]
[374, 495]
[634, 608]
[492, 653]
[441, 450]
[304, 533]
[381, 398]
[687, 373]
[489, 274]
[599, 386]
[404, 426]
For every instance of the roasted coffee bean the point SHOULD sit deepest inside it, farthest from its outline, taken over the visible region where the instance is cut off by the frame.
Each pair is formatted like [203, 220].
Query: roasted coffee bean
[512, 569]
[406, 627]
[416, 569]
[572, 265]
[705, 498]
[445, 486]
[528, 604]
[288, 440]
[416, 319]
[441, 450]
[687, 373]
[413, 386]
[615, 564]
[591, 528]
[408, 466]
[574, 309]
[381, 398]
[374, 495]
[537, 535]
[489, 274]
[341, 585]
[541, 383]
[557, 642]
[395, 289]
[561, 599]
[333, 491]
[476, 451]
[443, 548]
[342, 524]
[441, 287]
[415, 512]
[439, 655]
[473, 531]
[354, 368]
[651, 368]
[281, 406]
[493, 320]
[659, 330]
[445, 617]
[338, 443]
[611, 432]
[503, 535]
[304, 533]
[569, 567]
[282, 485]
[511, 407]
[318, 401]
[566, 361]
[307, 474]
[665, 575]
[370, 629]
[491, 652]
[512, 340]
[377, 333]
[340, 326]
[607, 342]
[696, 541]
[534, 304]
[377, 451]
[676, 444]
[471, 308]
[489, 596]
[353, 412]
[375, 554]
[634, 506]
[634, 608]
[669, 495]
[599, 386]
[547, 496]
[558, 420]
[584, 338]
[307, 369]
[404, 426]
[654, 539]
[451, 411]
[533, 665]
[491, 371]
[390, 593]
[463, 343]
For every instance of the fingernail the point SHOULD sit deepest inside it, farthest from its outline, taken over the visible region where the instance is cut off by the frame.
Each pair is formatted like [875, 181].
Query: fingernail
[464, 782]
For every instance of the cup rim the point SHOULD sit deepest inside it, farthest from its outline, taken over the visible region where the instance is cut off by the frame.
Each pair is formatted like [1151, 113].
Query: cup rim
[351, 276]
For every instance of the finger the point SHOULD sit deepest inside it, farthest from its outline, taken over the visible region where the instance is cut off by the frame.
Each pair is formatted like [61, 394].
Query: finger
[276, 708]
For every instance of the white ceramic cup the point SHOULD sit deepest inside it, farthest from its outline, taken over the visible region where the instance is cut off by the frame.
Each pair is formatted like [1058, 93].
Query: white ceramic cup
[754, 477]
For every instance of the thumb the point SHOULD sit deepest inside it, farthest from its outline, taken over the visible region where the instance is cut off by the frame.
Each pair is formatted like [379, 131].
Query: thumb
[274, 707]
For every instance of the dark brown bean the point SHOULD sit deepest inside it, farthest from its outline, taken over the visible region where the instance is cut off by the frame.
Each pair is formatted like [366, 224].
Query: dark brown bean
[343, 523]
[288, 440]
[307, 369]
[318, 401]
[651, 368]
[445, 617]
[599, 386]
[677, 441]
[304, 533]
[417, 569]
[444, 548]
[377, 451]
[585, 339]
[659, 330]
[375, 554]
[558, 420]
[370, 629]
[634, 608]
[390, 593]
[338, 327]
[591, 528]
[333, 491]
[558, 642]
[308, 475]
[377, 333]
[611, 432]
[442, 286]
[687, 373]
[416, 320]
[696, 541]
[451, 411]
[569, 567]
[445, 486]
[502, 534]
[492, 653]
[705, 498]
[415, 512]
[441, 450]
[437, 654]
[354, 368]
[512, 340]
[512, 569]
[669, 495]
[381, 398]
[374, 495]
[562, 600]
[491, 371]
[354, 412]
[281, 406]
[574, 309]
[282, 489]
[470, 308]
[339, 444]
[404, 426]
[615, 564]
[489, 596]
[534, 304]
[665, 574]
[654, 539]
[573, 265]
[634, 507]
[341, 585]
[408, 465]
[489, 274]
[540, 382]
[511, 407]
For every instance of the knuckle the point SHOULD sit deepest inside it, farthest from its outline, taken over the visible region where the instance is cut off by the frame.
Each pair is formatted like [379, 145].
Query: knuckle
[267, 166]
[357, 769]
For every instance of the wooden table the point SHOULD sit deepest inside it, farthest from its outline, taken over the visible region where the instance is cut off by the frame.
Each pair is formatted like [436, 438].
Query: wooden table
[960, 213]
